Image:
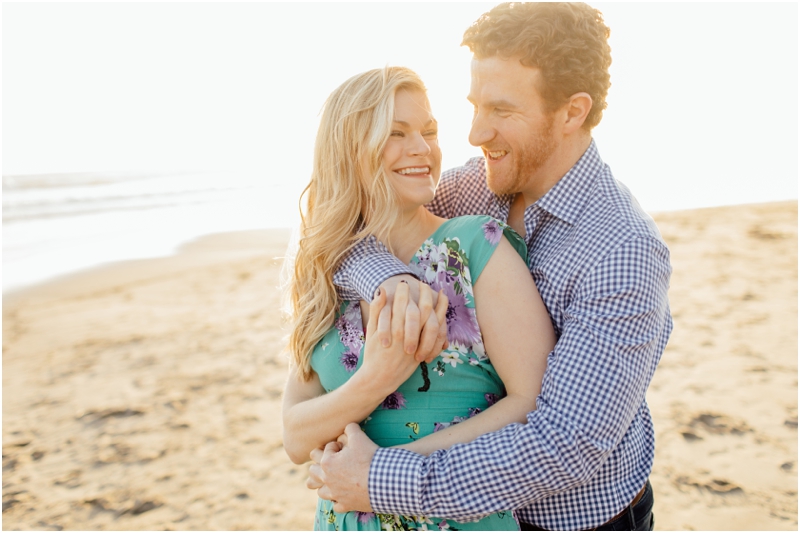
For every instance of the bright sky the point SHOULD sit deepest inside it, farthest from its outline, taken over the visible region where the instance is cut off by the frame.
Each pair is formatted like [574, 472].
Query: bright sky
[703, 109]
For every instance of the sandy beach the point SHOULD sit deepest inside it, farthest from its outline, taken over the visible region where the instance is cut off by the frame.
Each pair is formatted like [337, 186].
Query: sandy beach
[145, 395]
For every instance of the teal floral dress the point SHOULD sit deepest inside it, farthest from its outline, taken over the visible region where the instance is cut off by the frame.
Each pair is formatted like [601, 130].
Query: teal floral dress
[460, 383]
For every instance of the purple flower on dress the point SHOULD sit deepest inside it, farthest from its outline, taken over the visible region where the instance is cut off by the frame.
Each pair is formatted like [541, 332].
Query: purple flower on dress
[351, 335]
[438, 426]
[492, 232]
[394, 401]
[364, 517]
[462, 326]
[348, 333]
[443, 278]
[443, 525]
[349, 360]
[491, 399]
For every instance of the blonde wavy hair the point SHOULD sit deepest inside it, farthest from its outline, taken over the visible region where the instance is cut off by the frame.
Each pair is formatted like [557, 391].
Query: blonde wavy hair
[348, 199]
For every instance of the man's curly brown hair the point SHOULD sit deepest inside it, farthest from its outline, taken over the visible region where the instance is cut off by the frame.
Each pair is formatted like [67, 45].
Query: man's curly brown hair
[568, 42]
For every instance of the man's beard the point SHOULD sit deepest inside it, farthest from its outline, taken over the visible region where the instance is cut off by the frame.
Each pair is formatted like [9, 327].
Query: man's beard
[527, 160]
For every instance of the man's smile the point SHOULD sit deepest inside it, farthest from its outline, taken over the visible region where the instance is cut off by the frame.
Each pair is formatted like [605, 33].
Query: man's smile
[494, 155]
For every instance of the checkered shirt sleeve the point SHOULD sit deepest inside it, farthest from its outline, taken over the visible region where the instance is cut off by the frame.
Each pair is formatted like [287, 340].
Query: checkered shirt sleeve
[613, 334]
[369, 263]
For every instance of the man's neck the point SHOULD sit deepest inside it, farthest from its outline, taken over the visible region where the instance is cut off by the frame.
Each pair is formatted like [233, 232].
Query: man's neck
[545, 179]
[562, 160]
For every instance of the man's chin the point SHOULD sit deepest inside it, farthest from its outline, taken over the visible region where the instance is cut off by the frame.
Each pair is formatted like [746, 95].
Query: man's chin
[500, 185]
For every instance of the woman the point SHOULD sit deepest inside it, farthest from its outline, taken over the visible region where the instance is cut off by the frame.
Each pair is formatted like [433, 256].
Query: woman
[376, 165]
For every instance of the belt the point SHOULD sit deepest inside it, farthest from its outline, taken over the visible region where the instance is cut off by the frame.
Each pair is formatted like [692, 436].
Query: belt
[621, 514]
[627, 509]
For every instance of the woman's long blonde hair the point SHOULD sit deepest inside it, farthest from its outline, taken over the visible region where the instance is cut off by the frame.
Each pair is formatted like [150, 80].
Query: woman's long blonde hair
[349, 198]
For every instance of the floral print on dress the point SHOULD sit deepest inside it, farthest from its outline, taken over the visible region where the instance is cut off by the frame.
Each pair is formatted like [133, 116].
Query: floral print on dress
[395, 400]
[426, 402]
[438, 426]
[351, 334]
[492, 232]
[445, 267]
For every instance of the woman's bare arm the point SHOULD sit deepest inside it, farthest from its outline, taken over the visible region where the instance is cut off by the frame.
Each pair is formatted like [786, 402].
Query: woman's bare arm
[312, 417]
[518, 336]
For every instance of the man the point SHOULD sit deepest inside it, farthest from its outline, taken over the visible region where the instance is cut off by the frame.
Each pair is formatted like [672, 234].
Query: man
[539, 82]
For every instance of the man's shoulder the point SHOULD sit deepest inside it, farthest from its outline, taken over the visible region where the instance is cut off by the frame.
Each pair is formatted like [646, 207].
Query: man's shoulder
[612, 230]
[615, 210]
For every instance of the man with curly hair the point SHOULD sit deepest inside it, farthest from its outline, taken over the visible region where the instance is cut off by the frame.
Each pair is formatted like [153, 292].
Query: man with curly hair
[539, 82]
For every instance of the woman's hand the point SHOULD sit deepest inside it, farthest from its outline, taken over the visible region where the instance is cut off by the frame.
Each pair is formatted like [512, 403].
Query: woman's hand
[385, 359]
[425, 332]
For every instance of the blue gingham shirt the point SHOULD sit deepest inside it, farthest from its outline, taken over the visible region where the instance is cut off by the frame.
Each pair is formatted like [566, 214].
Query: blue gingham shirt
[603, 272]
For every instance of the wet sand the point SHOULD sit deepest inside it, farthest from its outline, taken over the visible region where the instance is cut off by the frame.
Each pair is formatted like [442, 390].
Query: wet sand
[145, 395]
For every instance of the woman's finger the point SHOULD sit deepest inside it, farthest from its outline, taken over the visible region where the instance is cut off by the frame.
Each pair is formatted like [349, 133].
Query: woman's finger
[412, 327]
[314, 481]
[375, 308]
[399, 312]
[441, 314]
[425, 302]
[429, 344]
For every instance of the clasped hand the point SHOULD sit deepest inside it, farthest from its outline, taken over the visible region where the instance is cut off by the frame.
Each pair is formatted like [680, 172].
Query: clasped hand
[414, 316]
[400, 309]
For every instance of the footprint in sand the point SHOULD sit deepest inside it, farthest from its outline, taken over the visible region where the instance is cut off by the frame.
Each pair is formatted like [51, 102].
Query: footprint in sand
[713, 424]
[719, 487]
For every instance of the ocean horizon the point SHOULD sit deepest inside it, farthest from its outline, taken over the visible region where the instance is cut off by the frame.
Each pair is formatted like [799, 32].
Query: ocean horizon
[55, 224]
[60, 223]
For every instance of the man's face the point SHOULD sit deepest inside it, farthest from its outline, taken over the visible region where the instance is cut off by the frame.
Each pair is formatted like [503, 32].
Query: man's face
[510, 123]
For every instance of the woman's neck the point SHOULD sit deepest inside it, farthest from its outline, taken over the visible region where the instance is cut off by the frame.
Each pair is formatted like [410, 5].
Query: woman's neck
[411, 231]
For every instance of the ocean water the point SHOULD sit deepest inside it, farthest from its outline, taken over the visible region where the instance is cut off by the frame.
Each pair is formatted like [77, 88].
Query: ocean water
[54, 224]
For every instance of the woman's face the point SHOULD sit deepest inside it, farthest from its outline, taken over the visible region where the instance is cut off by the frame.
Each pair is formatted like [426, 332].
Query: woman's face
[412, 158]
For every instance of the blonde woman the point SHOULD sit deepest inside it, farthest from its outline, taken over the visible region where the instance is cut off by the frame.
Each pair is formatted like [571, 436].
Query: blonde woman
[376, 165]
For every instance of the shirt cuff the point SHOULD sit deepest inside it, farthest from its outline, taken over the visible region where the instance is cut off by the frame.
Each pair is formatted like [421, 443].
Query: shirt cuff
[394, 482]
[379, 267]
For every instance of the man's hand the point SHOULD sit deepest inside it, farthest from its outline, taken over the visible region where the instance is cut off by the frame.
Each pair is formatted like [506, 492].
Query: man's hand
[423, 326]
[342, 470]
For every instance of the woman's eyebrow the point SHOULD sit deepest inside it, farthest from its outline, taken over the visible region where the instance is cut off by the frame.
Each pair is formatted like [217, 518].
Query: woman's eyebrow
[432, 121]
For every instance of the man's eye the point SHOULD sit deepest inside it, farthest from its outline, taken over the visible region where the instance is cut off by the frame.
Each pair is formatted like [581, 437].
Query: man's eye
[396, 134]
[503, 112]
[431, 133]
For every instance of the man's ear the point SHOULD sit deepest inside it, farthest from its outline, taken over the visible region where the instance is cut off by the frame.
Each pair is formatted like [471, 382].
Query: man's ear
[577, 109]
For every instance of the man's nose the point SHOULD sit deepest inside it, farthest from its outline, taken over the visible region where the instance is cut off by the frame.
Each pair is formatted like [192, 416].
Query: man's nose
[481, 132]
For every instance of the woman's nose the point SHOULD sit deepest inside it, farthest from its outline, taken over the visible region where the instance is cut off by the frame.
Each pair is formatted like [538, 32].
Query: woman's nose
[419, 146]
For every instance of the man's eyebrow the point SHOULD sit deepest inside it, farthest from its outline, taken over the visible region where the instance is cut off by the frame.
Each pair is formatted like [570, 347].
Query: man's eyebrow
[504, 104]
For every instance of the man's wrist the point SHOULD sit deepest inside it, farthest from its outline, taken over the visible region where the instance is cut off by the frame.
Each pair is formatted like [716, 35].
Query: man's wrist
[379, 269]
[393, 482]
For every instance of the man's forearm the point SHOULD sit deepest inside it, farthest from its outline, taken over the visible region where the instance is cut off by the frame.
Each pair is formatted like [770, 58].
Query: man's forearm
[363, 270]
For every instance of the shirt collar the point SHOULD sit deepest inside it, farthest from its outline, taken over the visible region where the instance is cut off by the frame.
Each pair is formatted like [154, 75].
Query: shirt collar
[567, 198]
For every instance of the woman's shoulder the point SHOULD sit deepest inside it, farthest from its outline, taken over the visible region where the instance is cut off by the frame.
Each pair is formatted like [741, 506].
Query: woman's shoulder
[468, 241]
[481, 232]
